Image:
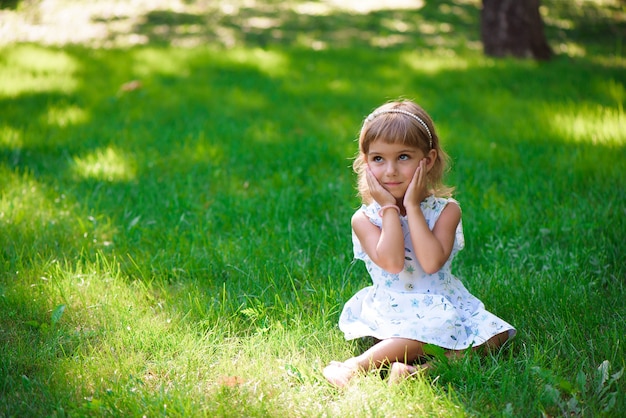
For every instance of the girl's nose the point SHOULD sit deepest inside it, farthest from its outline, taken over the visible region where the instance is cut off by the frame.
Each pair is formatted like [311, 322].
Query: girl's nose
[391, 168]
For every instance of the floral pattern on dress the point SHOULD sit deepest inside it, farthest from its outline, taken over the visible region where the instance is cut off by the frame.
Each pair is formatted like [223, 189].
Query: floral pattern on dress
[431, 308]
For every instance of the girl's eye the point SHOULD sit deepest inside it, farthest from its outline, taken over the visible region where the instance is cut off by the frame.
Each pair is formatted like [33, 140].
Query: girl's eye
[377, 159]
[404, 157]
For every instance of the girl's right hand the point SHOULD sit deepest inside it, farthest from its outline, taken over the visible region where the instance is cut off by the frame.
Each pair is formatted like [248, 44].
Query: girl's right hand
[378, 192]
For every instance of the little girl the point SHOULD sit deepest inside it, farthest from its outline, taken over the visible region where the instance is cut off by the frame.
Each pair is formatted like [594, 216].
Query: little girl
[407, 232]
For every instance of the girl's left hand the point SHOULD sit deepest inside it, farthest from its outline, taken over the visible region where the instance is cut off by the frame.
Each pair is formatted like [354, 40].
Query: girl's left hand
[416, 192]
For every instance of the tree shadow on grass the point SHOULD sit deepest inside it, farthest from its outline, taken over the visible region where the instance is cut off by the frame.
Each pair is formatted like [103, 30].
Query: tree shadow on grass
[289, 24]
[238, 176]
[235, 100]
[447, 25]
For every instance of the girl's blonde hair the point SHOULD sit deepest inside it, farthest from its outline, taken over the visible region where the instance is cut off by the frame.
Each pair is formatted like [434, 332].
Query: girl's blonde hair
[406, 123]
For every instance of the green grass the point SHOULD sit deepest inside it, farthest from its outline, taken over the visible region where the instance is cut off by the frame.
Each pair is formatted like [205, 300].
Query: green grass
[183, 249]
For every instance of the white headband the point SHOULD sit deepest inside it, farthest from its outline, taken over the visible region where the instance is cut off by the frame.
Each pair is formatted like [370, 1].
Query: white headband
[376, 113]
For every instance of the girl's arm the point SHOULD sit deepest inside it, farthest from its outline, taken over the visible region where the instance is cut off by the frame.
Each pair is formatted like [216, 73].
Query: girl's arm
[385, 246]
[433, 248]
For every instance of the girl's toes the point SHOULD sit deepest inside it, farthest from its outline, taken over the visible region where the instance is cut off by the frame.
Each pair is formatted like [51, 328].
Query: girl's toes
[338, 374]
[401, 371]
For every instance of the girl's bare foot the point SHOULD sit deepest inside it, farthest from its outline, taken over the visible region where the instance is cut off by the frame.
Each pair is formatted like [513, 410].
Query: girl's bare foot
[401, 371]
[338, 373]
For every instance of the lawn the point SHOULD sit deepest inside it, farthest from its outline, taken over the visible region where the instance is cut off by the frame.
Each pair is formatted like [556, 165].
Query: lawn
[176, 194]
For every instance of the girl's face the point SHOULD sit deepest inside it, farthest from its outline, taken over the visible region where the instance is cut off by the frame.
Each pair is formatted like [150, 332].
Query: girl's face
[393, 165]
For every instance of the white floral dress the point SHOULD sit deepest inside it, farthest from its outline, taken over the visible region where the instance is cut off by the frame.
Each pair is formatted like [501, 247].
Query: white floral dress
[431, 308]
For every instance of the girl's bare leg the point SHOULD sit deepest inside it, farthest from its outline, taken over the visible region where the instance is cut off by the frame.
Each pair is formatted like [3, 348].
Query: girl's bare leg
[400, 353]
[400, 371]
[496, 341]
[387, 351]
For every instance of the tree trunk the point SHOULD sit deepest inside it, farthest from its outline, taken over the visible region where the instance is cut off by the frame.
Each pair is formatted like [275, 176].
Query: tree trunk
[513, 27]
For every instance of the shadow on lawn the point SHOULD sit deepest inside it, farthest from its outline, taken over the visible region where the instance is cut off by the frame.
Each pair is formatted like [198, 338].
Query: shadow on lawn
[199, 177]
[443, 25]
[289, 24]
[216, 94]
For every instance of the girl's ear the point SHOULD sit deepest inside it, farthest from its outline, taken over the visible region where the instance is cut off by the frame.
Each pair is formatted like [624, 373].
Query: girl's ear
[431, 158]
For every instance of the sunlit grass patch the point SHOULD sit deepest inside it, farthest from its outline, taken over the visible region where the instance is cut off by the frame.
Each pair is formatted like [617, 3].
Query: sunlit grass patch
[150, 61]
[10, 138]
[107, 165]
[599, 125]
[63, 116]
[46, 222]
[272, 63]
[32, 69]
[27, 203]
[435, 63]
